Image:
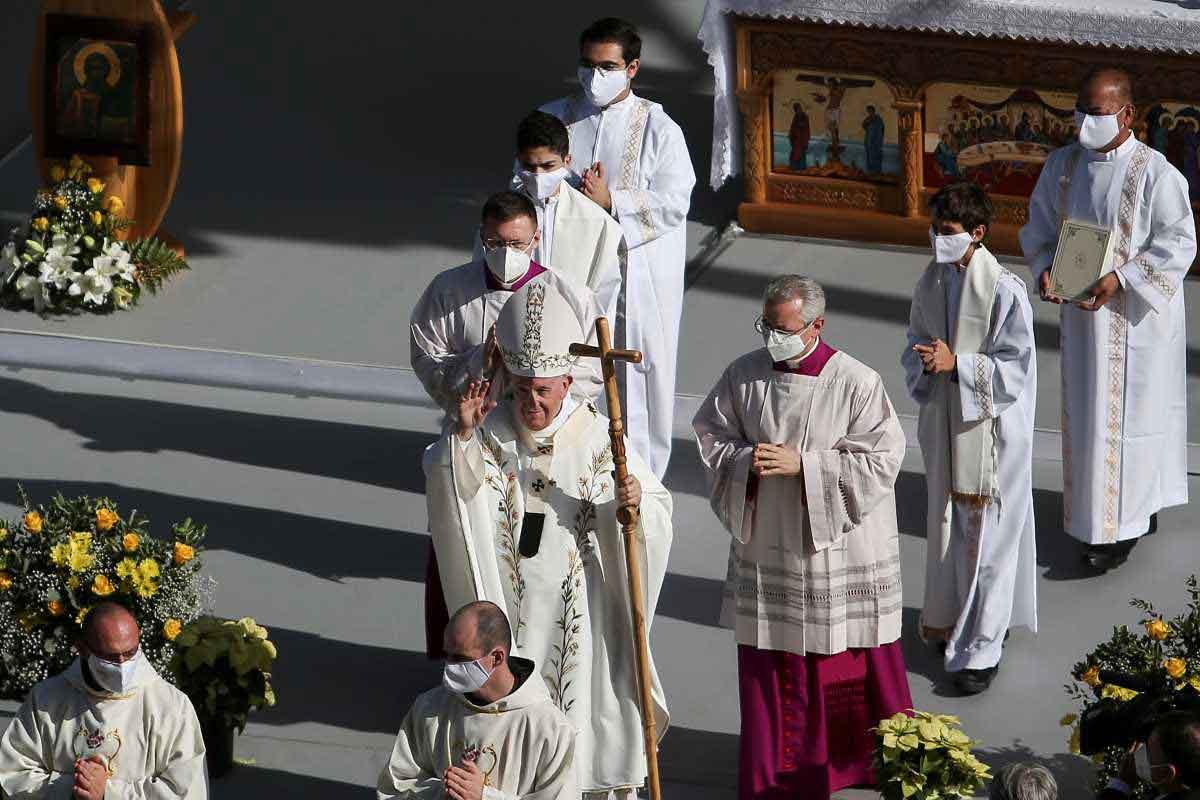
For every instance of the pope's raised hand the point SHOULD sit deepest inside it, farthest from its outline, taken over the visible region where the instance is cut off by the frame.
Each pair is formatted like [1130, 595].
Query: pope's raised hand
[473, 407]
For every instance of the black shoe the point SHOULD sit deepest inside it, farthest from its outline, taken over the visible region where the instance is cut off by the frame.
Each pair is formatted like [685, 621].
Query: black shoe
[1153, 524]
[974, 681]
[1108, 556]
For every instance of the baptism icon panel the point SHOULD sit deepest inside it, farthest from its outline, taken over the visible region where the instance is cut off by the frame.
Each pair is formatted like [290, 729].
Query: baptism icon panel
[998, 137]
[1173, 129]
[834, 124]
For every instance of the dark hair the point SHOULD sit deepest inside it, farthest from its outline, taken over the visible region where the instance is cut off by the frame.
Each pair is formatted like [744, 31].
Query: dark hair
[491, 625]
[1179, 737]
[506, 206]
[540, 129]
[963, 202]
[617, 31]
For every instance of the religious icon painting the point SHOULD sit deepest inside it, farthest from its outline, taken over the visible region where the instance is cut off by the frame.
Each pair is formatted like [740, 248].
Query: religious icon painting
[1173, 129]
[96, 97]
[834, 124]
[996, 136]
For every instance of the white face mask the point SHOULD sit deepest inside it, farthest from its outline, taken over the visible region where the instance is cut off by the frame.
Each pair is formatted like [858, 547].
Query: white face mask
[602, 86]
[508, 264]
[542, 185]
[115, 678]
[786, 346]
[949, 249]
[1097, 132]
[466, 677]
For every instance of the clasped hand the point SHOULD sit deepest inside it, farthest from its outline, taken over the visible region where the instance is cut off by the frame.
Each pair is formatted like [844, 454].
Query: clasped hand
[464, 782]
[776, 460]
[91, 779]
[595, 188]
[937, 357]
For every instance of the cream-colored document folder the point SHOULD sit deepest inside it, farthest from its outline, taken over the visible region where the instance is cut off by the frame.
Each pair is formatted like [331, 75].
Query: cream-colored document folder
[1084, 253]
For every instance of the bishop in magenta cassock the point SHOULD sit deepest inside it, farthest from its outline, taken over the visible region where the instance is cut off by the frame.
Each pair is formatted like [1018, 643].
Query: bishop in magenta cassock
[802, 449]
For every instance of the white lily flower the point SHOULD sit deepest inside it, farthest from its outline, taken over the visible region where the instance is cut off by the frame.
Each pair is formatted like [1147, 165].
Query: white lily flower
[32, 289]
[92, 285]
[119, 253]
[56, 273]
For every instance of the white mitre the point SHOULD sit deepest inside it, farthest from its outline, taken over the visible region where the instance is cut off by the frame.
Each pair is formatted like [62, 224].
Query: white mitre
[535, 331]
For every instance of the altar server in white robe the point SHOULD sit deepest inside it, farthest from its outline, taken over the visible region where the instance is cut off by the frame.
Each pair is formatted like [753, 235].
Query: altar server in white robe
[802, 447]
[108, 728]
[635, 165]
[1124, 365]
[522, 506]
[489, 732]
[970, 366]
[576, 238]
[450, 328]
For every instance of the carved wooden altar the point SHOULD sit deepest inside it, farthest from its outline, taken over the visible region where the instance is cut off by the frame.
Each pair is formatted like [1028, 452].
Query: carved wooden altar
[794, 67]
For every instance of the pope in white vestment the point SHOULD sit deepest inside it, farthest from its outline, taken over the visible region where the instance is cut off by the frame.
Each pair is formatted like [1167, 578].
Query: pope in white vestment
[523, 513]
[976, 434]
[647, 178]
[1124, 368]
[146, 735]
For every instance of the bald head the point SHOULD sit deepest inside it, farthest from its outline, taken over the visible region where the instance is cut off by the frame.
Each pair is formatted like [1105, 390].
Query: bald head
[1106, 86]
[477, 629]
[111, 632]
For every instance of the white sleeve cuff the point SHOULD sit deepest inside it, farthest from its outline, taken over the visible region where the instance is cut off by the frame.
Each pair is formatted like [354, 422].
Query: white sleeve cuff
[975, 386]
[1150, 285]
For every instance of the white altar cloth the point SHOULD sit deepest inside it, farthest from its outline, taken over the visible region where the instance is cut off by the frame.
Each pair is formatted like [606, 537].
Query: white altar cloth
[1152, 25]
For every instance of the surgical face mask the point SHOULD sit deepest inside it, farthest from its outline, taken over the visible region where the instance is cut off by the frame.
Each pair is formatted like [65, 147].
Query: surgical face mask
[507, 263]
[466, 677]
[1145, 770]
[949, 249]
[786, 346]
[542, 184]
[114, 678]
[602, 86]
[1096, 132]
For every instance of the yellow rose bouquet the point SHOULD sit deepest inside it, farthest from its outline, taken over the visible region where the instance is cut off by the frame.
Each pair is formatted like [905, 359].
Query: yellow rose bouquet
[926, 757]
[61, 559]
[71, 256]
[1137, 673]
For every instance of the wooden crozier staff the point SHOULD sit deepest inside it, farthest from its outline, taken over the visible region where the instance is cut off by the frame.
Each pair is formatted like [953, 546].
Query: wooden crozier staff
[628, 517]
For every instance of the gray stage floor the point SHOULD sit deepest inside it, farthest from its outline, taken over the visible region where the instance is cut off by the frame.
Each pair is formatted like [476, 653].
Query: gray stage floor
[317, 526]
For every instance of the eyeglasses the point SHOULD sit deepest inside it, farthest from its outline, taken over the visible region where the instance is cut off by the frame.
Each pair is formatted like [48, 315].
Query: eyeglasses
[117, 658]
[763, 328]
[607, 66]
[492, 244]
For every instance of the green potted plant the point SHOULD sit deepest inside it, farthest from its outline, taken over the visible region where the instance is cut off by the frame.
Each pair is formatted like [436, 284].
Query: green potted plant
[926, 757]
[224, 666]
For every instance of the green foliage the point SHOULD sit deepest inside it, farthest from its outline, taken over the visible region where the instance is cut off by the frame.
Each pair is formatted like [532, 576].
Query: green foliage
[224, 666]
[155, 263]
[926, 757]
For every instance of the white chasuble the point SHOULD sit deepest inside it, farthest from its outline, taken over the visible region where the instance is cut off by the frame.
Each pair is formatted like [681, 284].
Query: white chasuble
[450, 324]
[149, 739]
[981, 559]
[530, 523]
[522, 743]
[649, 174]
[814, 566]
[1124, 366]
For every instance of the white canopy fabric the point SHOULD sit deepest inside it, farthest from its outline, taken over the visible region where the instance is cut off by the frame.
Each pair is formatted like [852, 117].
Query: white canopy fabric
[1152, 25]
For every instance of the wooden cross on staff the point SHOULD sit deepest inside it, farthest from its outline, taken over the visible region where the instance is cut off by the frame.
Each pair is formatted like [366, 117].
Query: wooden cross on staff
[628, 517]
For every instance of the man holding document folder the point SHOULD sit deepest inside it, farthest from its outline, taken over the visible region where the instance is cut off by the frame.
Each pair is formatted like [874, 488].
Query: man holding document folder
[1123, 341]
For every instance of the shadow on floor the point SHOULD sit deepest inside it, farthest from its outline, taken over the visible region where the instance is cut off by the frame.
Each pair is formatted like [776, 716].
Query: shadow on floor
[255, 783]
[353, 686]
[370, 455]
[1073, 774]
[702, 758]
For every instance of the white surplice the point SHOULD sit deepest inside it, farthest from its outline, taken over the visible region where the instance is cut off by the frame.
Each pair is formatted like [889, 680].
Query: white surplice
[981, 559]
[649, 174]
[567, 601]
[450, 324]
[522, 743]
[818, 570]
[149, 738]
[1124, 366]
